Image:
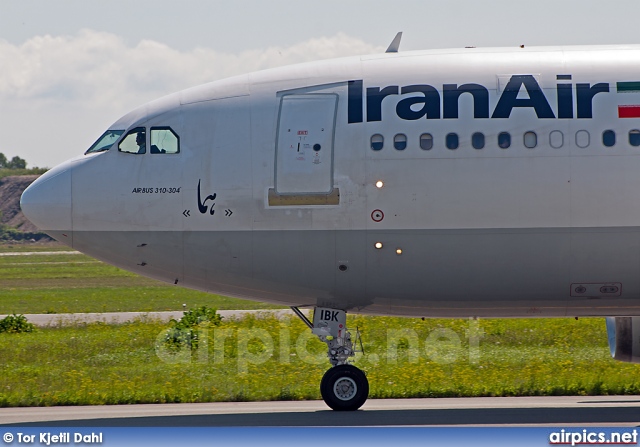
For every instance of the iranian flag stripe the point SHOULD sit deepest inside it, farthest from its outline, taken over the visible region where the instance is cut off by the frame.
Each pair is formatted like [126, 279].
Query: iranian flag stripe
[628, 111]
[624, 87]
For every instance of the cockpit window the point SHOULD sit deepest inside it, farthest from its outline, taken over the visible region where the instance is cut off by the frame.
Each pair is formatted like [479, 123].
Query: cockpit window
[164, 141]
[105, 142]
[135, 142]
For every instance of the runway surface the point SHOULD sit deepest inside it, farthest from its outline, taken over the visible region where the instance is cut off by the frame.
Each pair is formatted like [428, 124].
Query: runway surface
[45, 320]
[492, 411]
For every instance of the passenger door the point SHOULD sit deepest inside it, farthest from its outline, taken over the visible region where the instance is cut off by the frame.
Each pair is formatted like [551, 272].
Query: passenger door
[304, 145]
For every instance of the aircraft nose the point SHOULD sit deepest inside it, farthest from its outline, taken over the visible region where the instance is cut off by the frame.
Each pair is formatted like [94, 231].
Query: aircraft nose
[47, 201]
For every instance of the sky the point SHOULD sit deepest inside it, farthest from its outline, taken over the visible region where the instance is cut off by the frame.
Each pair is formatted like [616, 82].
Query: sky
[70, 68]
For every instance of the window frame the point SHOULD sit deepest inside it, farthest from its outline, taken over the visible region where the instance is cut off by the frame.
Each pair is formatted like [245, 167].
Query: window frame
[174, 134]
[371, 143]
[609, 132]
[636, 134]
[473, 140]
[457, 141]
[135, 130]
[396, 142]
[583, 133]
[428, 137]
[551, 137]
[524, 139]
[508, 135]
[92, 149]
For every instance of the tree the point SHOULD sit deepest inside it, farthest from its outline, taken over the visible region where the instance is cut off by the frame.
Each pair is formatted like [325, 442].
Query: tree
[17, 163]
[3, 161]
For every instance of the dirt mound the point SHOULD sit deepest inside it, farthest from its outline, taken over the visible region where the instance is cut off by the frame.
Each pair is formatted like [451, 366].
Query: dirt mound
[10, 191]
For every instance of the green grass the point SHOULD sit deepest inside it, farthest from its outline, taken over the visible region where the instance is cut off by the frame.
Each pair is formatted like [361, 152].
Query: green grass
[517, 357]
[263, 359]
[16, 247]
[30, 171]
[59, 283]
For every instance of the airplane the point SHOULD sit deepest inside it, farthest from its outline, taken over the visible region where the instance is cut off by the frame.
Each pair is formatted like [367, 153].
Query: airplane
[470, 182]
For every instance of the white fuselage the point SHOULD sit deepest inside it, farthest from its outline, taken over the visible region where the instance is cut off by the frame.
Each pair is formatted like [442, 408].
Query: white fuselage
[381, 184]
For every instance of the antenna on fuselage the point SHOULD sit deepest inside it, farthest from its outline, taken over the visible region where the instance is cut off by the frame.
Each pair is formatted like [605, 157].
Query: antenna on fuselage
[395, 44]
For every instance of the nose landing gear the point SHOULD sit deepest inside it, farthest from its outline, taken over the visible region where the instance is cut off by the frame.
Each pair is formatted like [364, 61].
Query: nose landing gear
[343, 387]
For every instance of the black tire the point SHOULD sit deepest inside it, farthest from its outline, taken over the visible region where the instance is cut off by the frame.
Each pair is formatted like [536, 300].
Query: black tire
[344, 388]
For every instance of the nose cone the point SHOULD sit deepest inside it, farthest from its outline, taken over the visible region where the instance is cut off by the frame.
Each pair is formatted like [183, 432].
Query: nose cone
[47, 201]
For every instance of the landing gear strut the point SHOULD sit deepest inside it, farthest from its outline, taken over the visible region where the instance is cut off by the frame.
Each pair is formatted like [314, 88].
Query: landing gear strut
[343, 387]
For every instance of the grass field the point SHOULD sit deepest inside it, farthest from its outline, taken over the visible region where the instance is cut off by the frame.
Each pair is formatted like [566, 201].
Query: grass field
[60, 283]
[266, 358]
[270, 359]
[7, 172]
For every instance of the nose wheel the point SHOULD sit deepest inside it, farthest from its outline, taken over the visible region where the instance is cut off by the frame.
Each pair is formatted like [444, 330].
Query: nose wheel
[344, 388]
